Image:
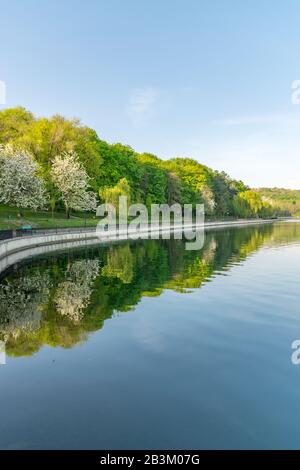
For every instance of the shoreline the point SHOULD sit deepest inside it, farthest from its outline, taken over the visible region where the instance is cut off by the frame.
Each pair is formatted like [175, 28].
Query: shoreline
[14, 250]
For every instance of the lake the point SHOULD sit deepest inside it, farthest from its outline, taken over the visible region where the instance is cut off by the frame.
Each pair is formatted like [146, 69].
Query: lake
[147, 345]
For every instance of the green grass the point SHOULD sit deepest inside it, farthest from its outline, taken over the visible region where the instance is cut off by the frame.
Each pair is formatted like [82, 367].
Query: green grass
[12, 218]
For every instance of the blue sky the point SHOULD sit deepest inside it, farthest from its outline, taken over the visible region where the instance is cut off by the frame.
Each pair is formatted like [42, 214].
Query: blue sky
[204, 79]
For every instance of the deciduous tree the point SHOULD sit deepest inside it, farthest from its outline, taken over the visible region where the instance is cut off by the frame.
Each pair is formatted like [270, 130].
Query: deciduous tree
[20, 184]
[72, 182]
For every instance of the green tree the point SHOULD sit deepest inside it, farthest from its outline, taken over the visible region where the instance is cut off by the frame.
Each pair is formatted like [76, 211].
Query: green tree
[14, 123]
[153, 179]
[111, 194]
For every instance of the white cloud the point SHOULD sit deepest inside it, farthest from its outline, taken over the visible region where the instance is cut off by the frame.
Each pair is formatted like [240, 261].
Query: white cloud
[141, 107]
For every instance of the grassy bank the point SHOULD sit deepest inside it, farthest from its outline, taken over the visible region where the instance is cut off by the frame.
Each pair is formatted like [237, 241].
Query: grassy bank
[13, 218]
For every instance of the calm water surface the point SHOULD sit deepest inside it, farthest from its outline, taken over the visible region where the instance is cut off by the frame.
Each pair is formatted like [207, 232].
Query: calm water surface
[146, 345]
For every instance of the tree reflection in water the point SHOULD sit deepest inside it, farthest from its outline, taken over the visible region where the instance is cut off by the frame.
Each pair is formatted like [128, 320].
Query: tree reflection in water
[73, 295]
[57, 301]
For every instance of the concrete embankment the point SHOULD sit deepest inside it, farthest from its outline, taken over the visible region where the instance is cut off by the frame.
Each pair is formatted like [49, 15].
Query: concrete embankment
[16, 249]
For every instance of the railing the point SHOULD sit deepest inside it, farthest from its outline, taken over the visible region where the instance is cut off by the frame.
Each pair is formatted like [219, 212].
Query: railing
[13, 233]
[119, 228]
[7, 234]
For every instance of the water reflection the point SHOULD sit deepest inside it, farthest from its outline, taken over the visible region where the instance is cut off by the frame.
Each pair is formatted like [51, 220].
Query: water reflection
[59, 300]
[72, 296]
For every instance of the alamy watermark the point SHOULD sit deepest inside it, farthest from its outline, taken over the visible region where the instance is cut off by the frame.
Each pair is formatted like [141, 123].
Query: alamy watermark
[295, 357]
[136, 221]
[295, 96]
[2, 353]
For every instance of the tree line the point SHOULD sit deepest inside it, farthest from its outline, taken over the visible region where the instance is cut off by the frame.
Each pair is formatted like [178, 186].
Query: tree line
[59, 163]
[287, 199]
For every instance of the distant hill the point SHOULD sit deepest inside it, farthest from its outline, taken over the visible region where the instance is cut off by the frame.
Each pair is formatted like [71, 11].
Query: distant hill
[286, 199]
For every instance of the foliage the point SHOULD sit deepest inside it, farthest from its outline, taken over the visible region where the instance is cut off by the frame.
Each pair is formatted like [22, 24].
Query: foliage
[148, 178]
[284, 201]
[250, 204]
[72, 182]
[14, 123]
[112, 194]
[20, 184]
[153, 181]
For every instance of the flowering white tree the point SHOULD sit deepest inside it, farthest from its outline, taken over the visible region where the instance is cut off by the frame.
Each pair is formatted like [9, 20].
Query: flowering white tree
[208, 200]
[72, 181]
[20, 184]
